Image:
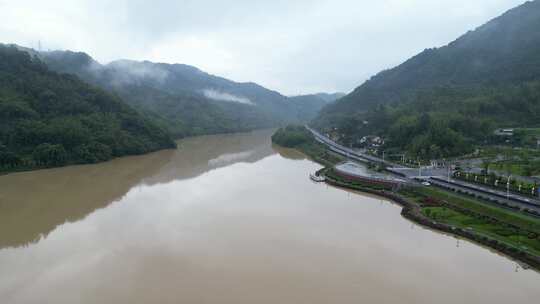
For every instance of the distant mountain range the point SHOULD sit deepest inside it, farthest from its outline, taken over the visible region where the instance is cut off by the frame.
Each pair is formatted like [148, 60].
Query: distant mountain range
[309, 106]
[64, 107]
[185, 100]
[444, 100]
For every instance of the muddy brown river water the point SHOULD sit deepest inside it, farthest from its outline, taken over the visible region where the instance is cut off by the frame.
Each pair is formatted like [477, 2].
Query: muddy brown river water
[229, 219]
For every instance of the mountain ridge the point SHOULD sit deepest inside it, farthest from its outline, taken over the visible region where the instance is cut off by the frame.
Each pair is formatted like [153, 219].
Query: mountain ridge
[490, 45]
[446, 101]
[52, 119]
[181, 90]
[186, 91]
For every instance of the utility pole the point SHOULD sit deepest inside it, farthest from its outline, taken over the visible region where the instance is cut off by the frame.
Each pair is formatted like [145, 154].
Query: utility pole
[508, 187]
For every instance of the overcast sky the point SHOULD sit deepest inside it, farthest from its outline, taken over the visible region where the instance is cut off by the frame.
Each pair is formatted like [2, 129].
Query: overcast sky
[293, 46]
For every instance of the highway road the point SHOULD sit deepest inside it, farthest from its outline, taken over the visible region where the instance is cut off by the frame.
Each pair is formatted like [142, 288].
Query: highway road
[487, 197]
[438, 177]
[492, 192]
[392, 167]
[347, 151]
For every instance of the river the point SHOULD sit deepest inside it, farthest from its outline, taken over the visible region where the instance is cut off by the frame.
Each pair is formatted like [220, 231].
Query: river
[229, 219]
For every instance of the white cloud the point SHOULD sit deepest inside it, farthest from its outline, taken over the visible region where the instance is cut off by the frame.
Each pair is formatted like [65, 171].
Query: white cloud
[134, 71]
[223, 96]
[292, 46]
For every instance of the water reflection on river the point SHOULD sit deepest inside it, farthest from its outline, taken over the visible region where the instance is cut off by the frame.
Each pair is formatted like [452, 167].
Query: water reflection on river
[228, 219]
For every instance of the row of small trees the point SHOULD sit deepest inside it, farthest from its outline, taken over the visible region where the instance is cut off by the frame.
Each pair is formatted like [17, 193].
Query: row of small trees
[499, 182]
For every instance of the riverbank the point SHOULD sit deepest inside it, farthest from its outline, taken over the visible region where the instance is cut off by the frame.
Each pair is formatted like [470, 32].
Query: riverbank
[510, 233]
[415, 212]
[28, 166]
[35, 167]
[297, 137]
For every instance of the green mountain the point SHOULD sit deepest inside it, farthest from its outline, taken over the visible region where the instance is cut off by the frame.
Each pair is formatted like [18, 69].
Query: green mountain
[182, 98]
[49, 119]
[443, 100]
[309, 106]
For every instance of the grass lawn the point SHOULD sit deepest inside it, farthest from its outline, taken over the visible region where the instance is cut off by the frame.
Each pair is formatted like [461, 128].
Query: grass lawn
[511, 217]
[523, 153]
[517, 168]
[514, 169]
[500, 232]
[532, 131]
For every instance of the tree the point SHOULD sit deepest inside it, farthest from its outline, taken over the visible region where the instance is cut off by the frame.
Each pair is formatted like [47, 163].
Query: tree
[9, 159]
[50, 119]
[48, 154]
[486, 162]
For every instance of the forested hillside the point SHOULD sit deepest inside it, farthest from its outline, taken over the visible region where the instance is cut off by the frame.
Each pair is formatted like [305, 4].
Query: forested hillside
[48, 119]
[186, 100]
[181, 98]
[188, 114]
[444, 100]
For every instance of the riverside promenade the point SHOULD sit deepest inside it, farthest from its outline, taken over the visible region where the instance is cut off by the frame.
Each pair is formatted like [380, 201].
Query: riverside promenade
[436, 176]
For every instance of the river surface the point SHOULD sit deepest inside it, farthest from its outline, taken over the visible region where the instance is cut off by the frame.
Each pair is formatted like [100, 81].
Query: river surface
[229, 219]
